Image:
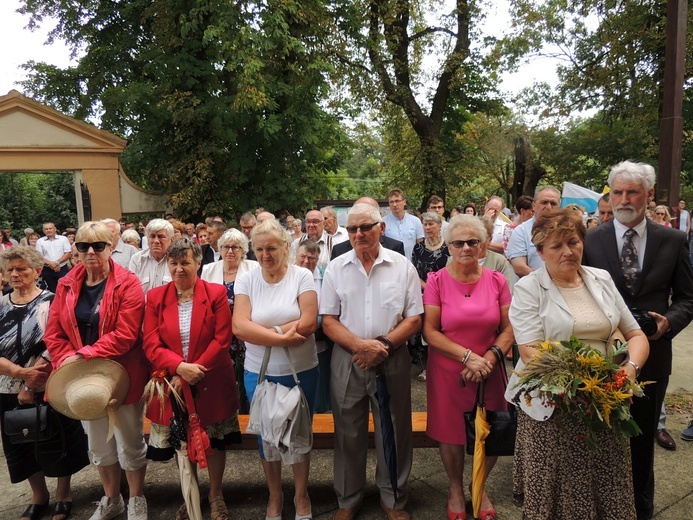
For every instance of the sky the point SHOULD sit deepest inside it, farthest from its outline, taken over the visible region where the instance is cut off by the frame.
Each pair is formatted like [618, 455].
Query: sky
[23, 45]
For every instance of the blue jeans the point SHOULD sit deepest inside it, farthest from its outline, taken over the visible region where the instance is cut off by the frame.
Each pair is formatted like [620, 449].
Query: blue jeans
[309, 385]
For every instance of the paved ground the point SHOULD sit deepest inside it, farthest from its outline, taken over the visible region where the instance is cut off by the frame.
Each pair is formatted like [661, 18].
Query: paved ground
[246, 494]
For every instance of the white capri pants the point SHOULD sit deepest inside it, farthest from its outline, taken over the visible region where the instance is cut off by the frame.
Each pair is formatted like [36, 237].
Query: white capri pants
[127, 445]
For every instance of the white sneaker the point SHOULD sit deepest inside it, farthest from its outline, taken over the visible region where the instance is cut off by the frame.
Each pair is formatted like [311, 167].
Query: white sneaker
[422, 376]
[137, 508]
[109, 508]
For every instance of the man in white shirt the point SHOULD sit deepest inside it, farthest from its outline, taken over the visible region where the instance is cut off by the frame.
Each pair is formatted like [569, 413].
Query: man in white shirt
[337, 232]
[315, 230]
[150, 265]
[121, 253]
[684, 218]
[56, 251]
[521, 251]
[400, 225]
[492, 210]
[370, 305]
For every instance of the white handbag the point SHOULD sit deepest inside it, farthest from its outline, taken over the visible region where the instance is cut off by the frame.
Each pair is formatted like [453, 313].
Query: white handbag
[281, 416]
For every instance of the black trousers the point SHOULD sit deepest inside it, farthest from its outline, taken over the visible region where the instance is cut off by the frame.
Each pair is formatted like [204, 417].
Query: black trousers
[51, 277]
[645, 410]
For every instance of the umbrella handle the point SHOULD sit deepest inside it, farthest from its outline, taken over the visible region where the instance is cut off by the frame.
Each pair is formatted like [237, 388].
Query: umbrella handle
[480, 402]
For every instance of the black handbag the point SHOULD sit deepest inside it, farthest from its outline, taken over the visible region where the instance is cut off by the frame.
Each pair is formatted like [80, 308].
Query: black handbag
[503, 425]
[33, 424]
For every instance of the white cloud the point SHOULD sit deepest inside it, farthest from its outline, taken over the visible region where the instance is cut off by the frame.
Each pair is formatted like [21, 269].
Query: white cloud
[20, 45]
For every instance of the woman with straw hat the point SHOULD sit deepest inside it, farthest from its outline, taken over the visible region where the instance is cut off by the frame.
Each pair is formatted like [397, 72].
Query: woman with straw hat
[97, 313]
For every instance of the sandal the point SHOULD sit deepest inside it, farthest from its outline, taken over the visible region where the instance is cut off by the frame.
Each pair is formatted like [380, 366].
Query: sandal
[219, 509]
[62, 509]
[182, 513]
[35, 511]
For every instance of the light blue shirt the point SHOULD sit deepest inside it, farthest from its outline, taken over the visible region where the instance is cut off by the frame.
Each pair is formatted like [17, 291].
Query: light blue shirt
[408, 231]
[521, 244]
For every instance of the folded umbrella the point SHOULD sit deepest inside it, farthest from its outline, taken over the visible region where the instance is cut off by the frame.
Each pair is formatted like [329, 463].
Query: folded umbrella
[186, 469]
[482, 429]
[387, 429]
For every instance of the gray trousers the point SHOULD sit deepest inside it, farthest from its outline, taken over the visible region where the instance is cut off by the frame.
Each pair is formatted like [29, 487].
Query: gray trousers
[353, 392]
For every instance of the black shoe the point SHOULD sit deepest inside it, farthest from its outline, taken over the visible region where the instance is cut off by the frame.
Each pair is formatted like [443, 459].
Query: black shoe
[35, 511]
[665, 440]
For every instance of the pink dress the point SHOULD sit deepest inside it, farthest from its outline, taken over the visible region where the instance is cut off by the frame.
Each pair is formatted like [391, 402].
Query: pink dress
[469, 315]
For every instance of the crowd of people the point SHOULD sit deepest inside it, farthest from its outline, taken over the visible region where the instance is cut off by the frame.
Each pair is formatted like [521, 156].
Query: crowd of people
[201, 307]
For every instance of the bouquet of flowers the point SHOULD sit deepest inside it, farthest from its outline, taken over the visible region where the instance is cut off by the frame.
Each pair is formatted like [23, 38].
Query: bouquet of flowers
[583, 384]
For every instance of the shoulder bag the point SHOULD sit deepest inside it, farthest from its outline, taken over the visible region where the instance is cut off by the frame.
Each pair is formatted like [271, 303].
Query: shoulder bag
[503, 425]
[279, 414]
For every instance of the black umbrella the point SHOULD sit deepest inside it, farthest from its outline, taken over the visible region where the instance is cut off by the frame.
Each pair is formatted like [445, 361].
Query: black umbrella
[386, 428]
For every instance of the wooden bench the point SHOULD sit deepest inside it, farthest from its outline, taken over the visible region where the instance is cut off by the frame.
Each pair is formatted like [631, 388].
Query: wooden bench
[323, 432]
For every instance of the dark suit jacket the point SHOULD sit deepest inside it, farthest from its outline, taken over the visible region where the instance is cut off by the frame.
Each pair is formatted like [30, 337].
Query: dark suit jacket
[210, 339]
[386, 242]
[666, 273]
[207, 257]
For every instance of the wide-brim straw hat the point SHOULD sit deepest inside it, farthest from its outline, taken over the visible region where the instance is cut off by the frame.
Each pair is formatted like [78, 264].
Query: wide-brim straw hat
[88, 390]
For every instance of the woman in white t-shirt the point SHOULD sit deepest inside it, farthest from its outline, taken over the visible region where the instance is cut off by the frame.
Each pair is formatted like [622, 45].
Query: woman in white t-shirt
[277, 306]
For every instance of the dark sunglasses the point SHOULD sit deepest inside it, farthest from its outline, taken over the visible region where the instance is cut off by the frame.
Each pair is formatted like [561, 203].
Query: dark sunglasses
[459, 244]
[83, 247]
[363, 228]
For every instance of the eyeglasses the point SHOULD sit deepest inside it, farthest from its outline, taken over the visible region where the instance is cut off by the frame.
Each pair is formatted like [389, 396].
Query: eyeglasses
[235, 249]
[314, 222]
[436, 207]
[660, 214]
[395, 201]
[459, 244]
[83, 247]
[363, 228]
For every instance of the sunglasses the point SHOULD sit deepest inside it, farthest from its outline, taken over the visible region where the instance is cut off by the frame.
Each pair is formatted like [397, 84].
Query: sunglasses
[660, 214]
[459, 244]
[363, 228]
[83, 247]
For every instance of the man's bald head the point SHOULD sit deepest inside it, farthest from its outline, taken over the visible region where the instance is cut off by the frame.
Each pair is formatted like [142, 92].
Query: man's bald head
[368, 200]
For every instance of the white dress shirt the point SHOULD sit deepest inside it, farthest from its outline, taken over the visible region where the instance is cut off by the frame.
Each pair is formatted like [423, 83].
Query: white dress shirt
[150, 272]
[53, 249]
[371, 305]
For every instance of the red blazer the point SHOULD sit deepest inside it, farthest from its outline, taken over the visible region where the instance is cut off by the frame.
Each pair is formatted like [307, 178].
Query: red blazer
[120, 325]
[210, 339]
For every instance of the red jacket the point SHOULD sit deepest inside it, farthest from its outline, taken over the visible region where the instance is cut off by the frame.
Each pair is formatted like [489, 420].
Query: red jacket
[120, 325]
[210, 339]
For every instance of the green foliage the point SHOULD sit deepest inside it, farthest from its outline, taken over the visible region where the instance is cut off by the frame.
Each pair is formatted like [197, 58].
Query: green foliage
[30, 199]
[220, 101]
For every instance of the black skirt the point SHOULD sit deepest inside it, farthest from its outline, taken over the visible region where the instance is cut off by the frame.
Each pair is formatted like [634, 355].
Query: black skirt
[51, 457]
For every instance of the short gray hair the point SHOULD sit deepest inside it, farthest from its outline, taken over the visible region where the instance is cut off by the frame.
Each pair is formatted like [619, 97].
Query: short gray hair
[29, 254]
[432, 215]
[233, 235]
[641, 173]
[159, 224]
[544, 188]
[330, 211]
[467, 222]
[364, 209]
[180, 246]
[130, 235]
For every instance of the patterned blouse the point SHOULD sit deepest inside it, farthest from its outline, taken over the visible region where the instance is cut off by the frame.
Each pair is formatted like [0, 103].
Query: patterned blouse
[21, 334]
[427, 261]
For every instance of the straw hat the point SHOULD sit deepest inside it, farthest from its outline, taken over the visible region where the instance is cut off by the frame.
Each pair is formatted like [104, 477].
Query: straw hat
[88, 389]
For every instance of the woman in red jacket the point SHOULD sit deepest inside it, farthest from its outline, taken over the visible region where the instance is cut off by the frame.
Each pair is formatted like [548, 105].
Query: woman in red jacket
[97, 313]
[187, 333]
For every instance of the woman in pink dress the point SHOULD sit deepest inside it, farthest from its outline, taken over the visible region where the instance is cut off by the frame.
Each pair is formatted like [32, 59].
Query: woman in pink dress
[466, 313]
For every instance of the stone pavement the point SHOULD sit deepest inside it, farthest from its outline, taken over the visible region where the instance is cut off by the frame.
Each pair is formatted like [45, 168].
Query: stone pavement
[246, 494]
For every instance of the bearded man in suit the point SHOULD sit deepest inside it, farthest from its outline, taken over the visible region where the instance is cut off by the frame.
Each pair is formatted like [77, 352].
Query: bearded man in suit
[649, 264]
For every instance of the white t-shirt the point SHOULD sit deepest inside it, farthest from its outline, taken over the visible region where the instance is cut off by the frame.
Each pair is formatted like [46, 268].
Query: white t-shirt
[277, 304]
